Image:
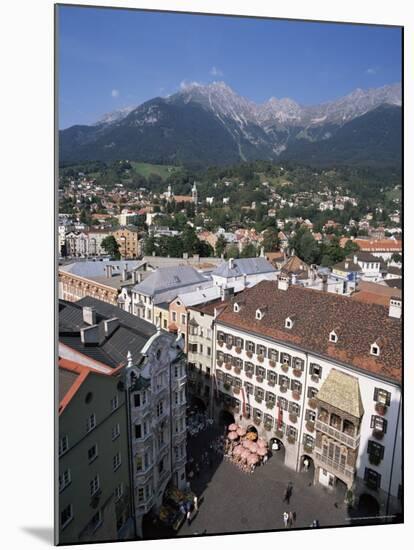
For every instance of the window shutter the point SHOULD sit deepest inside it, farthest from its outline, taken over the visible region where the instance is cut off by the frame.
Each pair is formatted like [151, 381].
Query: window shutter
[372, 421]
[384, 429]
[376, 394]
[388, 400]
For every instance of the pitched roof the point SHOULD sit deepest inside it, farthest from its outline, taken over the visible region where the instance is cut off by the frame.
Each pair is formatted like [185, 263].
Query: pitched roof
[131, 334]
[243, 266]
[357, 325]
[169, 278]
[375, 245]
[342, 391]
[94, 269]
[295, 266]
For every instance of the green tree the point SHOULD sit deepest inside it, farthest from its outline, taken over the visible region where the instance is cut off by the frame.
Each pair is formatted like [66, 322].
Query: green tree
[220, 245]
[396, 257]
[232, 251]
[249, 251]
[271, 241]
[350, 247]
[111, 247]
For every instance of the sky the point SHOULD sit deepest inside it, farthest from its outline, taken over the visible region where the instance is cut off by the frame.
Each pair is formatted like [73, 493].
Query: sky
[109, 59]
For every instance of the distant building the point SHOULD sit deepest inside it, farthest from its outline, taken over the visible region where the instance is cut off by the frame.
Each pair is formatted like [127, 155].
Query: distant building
[248, 271]
[128, 241]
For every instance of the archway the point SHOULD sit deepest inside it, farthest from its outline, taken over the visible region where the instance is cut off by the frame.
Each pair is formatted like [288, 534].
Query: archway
[307, 466]
[368, 505]
[277, 449]
[197, 404]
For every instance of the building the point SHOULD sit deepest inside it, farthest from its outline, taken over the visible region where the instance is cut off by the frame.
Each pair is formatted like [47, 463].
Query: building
[370, 266]
[162, 285]
[374, 293]
[128, 240]
[77, 244]
[127, 217]
[153, 374]
[248, 271]
[101, 280]
[318, 375]
[380, 248]
[95, 502]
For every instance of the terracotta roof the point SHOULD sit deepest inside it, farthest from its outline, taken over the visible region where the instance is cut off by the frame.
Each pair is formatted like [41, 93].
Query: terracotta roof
[357, 324]
[376, 245]
[295, 266]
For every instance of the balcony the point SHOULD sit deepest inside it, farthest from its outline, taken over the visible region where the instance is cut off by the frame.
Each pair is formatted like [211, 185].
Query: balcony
[334, 466]
[348, 440]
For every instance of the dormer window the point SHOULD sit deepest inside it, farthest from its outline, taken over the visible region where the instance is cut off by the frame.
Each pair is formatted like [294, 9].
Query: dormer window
[236, 308]
[288, 322]
[333, 337]
[375, 349]
[259, 314]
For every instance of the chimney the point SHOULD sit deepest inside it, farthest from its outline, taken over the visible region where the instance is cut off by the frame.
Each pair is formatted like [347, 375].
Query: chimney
[245, 280]
[355, 259]
[108, 269]
[134, 277]
[90, 335]
[231, 262]
[325, 283]
[89, 315]
[294, 278]
[262, 252]
[395, 308]
[124, 274]
[139, 277]
[110, 325]
[283, 283]
[153, 252]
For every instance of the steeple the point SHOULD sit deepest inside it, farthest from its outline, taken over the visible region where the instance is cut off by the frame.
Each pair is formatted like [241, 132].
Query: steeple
[194, 193]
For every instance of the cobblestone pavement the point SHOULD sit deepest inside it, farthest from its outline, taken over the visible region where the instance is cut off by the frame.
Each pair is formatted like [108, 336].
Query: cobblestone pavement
[231, 501]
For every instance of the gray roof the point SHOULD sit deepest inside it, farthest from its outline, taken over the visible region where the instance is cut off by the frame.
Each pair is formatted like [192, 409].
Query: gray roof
[244, 266]
[66, 380]
[131, 334]
[169, 278]
[93, 269]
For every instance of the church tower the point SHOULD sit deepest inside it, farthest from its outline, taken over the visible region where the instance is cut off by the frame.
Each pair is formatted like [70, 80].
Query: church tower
[194, 193]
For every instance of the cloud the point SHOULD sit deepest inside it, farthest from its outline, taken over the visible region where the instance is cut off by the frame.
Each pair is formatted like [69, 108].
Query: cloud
[115, 93]
[214, 71]
[372, 70]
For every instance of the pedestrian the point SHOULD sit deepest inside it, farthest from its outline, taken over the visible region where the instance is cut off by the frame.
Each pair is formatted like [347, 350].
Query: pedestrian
[294, 518]
[182, 508]
[285, 519]
[285, 495]
[189, 517]
[306, 464]
[265, 459]
[290, 519]
[195, 501]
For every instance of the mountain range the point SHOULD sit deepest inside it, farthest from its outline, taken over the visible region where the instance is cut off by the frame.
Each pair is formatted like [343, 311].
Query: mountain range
[212, 124]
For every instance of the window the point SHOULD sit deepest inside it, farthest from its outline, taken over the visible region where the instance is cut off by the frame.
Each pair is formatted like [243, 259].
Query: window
[286, 359]
[308, 441]
[315, 370]
[174, 316]
[375, 451]
[91, 422]
[183, 319]
[139, 399]
[259, 393]
[236, 308]
[270, 397]
[63, 445]
[375, 349]
[164, 323]
[249, 388]
[249, 367]
[291, 432]
[138, 431]
[333, 337]
[260, 371]
[312, 392]
[259, 314]
[261, 350]
[239, 343]
[310, 415]
[257, 414]
[66, 516]
[271, 377]
[298, 363]
[282, 403]
[116, 461]
[160, 408]
[382, 396]
[284, 382]
[379, 424]
[114, 403]
[296, 386]
[294, 408]
[288, 323]
[96, 520]
[209, 352]
[116, 431]
[94, 485]
[64, 480]
[92, 453]
[372, 478]
[250, 346]
[273, 355]
[161, 466]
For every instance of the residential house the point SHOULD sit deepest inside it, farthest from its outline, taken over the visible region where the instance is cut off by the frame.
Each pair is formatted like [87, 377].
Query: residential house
[243, 270]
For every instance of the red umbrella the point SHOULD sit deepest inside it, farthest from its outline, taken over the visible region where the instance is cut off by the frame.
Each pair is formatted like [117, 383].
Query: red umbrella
[253, 447]
[253, 459]
[246, 443]
[233, 436]
[241, 431]
[261, 442]
[262, 451]
[233, 427]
